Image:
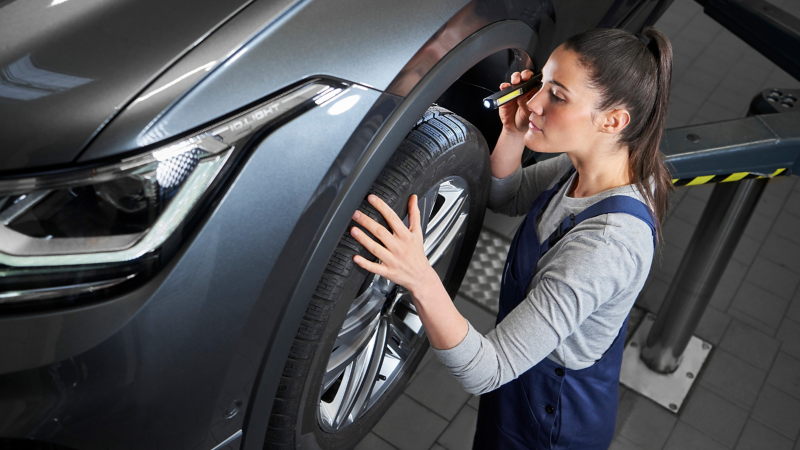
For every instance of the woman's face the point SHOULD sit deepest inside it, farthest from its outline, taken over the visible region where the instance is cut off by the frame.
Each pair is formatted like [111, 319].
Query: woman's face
[561, 111]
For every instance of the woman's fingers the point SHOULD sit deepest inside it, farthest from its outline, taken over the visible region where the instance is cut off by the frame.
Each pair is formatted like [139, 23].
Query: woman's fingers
[526, 75]
[387, 213]
[414, 223]
[375, 268]
[373, 247]
[515, 78]
[504, 86]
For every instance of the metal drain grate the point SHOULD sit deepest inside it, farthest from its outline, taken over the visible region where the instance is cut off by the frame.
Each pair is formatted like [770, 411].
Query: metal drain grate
[482, 281]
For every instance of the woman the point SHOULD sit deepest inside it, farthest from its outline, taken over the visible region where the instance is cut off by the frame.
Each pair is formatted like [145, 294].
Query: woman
[549, 371]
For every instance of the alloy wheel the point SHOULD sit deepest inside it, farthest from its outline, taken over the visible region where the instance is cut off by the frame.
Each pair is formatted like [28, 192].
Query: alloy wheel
[382, 330]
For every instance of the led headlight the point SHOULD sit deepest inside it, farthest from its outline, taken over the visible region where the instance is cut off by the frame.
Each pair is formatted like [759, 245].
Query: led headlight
[91, 229]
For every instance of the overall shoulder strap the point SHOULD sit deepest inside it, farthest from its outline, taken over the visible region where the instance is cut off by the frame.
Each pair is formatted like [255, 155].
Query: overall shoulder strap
[613, 204]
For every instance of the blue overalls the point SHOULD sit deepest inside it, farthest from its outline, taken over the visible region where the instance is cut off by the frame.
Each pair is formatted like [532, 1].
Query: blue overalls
[551, 407]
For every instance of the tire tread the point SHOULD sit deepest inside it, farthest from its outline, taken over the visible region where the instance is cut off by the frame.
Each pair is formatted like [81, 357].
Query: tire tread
[438, 130]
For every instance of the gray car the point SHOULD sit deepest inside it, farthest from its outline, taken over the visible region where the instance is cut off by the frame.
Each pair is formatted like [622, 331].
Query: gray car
[175, 185]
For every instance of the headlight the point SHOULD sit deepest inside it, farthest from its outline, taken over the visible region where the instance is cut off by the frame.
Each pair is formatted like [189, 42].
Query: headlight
[75, 233]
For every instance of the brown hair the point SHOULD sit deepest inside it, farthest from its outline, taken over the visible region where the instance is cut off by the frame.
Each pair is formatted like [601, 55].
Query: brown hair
[634, 72]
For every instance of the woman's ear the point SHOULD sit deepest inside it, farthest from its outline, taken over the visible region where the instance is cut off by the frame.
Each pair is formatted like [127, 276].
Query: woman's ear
[616, 120]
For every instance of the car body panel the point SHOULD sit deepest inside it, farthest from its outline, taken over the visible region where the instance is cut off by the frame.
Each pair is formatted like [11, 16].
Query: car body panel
[66, 67]
[168, 361]
[125, 131]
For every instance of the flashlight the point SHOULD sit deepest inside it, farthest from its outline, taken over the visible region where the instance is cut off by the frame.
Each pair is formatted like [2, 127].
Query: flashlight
[494, 101]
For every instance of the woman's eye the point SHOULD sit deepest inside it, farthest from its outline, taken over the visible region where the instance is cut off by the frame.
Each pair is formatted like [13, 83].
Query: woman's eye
[554, 97]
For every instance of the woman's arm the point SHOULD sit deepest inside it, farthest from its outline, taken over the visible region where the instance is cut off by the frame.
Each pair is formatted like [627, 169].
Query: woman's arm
[588, 271]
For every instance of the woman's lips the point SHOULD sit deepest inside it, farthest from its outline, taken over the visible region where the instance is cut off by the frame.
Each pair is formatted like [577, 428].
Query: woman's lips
[533, 127]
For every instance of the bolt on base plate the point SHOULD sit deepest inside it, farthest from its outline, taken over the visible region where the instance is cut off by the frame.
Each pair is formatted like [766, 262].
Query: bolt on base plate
[668, 390]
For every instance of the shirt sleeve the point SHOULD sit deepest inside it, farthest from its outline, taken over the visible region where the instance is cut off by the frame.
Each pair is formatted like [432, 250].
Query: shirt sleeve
[514, 195]
[587, 271]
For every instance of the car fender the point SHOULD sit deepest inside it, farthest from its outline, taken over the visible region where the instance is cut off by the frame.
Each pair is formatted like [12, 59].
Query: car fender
[345, 185]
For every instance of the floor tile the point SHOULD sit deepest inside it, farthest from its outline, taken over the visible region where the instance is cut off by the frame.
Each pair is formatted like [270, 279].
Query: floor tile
[773, 277]
[459, 434]
[792, 204]
[785, 374]
[653, 295]
[439, 391]
[666, 262]
[781, 186]
[750, 345]
[789, 335]
[787, 226]
[782, 251]
[687, 438]
[728, 284]
[437, 447]
[748, 319]
[505, 225]
[714, 416]
[373, 442]
[732, 378]
[643, 422]
[702, 192]
[712, 325]
[758, 227]
[404, 415]
[481, 319]
[725, 97]
[474, 401]
[794, 309]
[778, 411]
[757, 436]
[690, 209]
[746, 250]
[759, 304]
[678, 232]
[622, 443]
[770, 204]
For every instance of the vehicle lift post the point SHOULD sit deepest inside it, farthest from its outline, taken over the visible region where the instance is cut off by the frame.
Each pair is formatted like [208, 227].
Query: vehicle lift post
[664, 344]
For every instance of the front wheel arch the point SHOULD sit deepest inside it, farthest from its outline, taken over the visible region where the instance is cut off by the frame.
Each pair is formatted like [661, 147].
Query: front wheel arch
[374, 142]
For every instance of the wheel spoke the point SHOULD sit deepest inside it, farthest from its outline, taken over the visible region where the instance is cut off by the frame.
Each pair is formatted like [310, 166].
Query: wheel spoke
[361, 402]
[355, 384]
[446, 217]
[348, 350]
[426, 205]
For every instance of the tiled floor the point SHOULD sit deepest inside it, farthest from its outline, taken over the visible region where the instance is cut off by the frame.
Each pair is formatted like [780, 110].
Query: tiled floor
[748, 393]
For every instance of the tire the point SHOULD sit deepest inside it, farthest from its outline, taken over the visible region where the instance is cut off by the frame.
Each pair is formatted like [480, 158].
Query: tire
[359, 327]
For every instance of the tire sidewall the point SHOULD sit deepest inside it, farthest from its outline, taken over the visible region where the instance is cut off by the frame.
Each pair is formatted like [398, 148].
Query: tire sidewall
[469, 160]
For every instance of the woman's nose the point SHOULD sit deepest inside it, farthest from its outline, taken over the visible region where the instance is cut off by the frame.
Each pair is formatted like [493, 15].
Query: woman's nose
[535, 103]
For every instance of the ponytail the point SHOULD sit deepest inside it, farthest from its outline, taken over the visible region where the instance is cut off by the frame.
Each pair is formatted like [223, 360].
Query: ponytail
[634, 72]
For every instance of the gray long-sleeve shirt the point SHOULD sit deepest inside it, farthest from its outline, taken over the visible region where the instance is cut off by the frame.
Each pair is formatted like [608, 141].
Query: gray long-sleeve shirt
[583, 289]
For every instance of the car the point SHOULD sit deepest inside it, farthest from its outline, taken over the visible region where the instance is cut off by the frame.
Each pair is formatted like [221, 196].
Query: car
[176, 184]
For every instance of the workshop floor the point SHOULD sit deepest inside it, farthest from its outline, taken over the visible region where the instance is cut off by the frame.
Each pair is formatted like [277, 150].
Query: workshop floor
[748, 393]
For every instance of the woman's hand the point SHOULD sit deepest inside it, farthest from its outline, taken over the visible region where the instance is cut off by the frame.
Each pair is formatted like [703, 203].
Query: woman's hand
[515, 115]
[403, 261]
[402, 255]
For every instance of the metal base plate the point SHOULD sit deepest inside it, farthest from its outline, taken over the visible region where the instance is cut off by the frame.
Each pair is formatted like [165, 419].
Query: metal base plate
[667, 390]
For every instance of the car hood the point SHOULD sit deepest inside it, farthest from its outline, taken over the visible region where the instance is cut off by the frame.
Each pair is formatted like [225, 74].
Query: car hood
[67, 66]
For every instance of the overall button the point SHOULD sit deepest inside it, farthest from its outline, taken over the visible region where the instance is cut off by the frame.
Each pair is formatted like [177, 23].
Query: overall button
[560, 372]
[549, 409]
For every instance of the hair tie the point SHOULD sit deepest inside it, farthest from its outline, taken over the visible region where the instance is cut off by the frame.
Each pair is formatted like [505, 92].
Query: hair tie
[643, 38]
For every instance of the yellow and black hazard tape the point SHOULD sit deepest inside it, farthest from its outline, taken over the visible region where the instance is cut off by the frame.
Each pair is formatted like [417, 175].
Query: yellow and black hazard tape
[697, 181]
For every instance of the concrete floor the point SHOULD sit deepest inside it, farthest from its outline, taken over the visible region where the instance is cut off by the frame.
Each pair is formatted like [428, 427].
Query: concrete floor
[748, 393]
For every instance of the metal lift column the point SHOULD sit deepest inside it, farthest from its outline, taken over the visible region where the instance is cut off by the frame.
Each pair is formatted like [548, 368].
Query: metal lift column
[721, 226]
